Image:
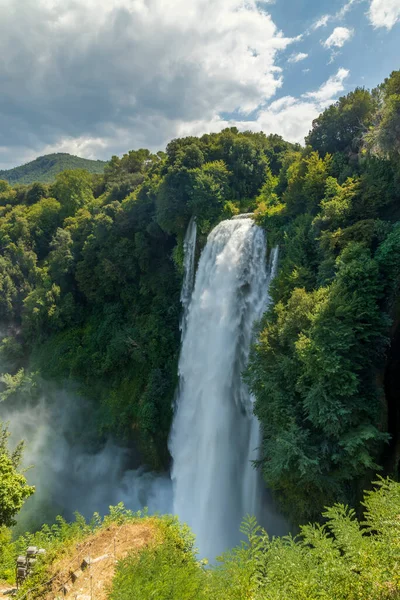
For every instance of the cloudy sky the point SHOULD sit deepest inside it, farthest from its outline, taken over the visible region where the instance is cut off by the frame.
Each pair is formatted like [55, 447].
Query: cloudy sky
[100, 77]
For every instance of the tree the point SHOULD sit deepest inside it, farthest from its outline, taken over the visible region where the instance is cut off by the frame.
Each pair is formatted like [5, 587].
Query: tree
[209, 190]
[73, 189]
[61, 258]
[43, 218]
[36, 192]
[340, 128]
[315, 179]
[246, 161]
[312, 373]
[384, 137]
[14, 489]
[7, 194]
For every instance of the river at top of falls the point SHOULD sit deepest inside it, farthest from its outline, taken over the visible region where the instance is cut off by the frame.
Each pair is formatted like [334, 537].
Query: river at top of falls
[215, 436]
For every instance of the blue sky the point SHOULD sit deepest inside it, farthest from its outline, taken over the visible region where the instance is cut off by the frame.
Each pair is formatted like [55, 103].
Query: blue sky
[99, 77]
[370, 54]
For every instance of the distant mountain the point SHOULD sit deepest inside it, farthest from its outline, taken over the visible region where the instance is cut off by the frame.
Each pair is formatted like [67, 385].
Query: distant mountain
[45, 168]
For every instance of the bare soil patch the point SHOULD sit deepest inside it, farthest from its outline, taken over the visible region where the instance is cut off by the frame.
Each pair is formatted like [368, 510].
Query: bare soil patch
[101, 550]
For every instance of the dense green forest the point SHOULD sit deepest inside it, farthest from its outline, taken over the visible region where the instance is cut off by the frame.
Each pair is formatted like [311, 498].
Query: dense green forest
[325, 371]
[91, 269]
[45, 168]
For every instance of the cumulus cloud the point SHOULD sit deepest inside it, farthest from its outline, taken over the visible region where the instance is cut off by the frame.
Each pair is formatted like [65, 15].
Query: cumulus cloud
[292, 117]
[288, 116]
[295, 58]
[330, 89]
[99, 77]
[384, 13]
[338, 37]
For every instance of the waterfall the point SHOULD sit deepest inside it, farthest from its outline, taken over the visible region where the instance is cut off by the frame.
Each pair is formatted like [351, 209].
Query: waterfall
[215, 435]
[189, 249]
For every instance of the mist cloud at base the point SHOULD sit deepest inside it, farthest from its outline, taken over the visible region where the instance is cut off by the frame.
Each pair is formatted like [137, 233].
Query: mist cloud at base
[68, 474]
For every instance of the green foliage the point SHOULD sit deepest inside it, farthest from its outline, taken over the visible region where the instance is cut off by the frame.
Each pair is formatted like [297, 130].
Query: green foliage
[100, 301]
[344, 559]
[7, 194]
[73, 189]
[57, 539]
[383, 137]
[318, 366]
[209, 191]
[165, 569]
[45, 168]
[60, 258]
[123, 176]
[246, 161]
[337, 204]
[312, 375]
[340, 128]
[20, 385]
[14, 490]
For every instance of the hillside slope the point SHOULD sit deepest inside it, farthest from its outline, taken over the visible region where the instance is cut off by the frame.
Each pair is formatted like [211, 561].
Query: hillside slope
[45, 168]
[80, 558]
[100, 551]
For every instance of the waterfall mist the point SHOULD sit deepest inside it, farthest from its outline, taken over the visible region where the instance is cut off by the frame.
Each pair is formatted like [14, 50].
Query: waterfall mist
[215, 435]
[71, 471]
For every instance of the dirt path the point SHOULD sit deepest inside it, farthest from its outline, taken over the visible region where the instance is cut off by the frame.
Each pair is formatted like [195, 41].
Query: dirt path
[101, 551]
[5, 589]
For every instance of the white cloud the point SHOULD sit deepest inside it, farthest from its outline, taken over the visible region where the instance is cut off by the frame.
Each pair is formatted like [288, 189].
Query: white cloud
[295, 58]
[384, 13]
[322, 22]
[129, 72]
[340, 14]
[346, 8]
[99, 77]
[330, 89]
[338, 37]
[288, 116]
[292, 117]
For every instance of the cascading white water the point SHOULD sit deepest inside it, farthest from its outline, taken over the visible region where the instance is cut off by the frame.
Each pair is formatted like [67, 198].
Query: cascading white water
[189, 249]
[215, 435]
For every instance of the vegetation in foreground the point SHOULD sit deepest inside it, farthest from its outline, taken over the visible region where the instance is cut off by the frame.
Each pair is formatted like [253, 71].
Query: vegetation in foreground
[343, 559]
[14, 489]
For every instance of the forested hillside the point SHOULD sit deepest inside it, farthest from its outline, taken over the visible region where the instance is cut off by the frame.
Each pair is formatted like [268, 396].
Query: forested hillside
[45, 168]
[91, 269]
[325, 371]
